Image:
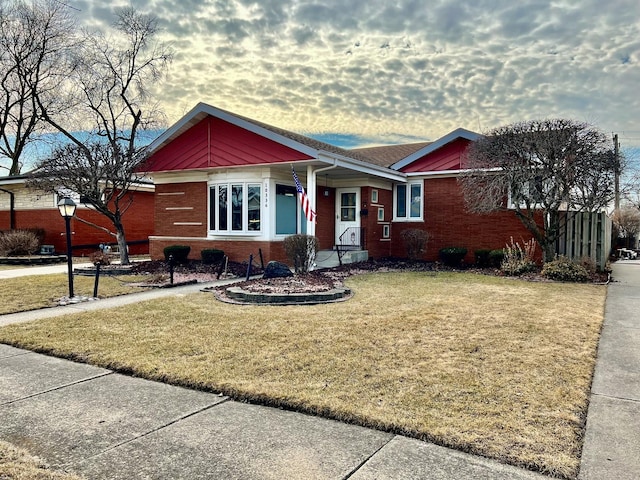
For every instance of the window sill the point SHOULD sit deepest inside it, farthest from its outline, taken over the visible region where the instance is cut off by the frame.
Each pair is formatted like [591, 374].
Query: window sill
[408, 220]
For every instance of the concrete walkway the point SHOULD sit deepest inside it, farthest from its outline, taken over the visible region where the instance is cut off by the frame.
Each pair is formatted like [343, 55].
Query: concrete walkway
[104, 425]
[612, 440]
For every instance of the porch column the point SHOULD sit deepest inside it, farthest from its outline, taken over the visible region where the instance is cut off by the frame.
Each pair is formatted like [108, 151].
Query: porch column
[311, 193]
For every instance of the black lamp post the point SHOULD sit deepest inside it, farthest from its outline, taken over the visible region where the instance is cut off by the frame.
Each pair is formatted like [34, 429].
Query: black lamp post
[67, 209]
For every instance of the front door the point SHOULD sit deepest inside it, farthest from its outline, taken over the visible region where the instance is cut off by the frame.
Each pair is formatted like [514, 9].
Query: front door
[348, 217]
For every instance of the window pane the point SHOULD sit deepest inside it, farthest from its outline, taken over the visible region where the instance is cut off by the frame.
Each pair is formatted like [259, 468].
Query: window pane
[416, 200]
[401, 201]
[286, 208]
[212, 208]
[222, 207]
[253, 206]
[348, 207]
[236, 207]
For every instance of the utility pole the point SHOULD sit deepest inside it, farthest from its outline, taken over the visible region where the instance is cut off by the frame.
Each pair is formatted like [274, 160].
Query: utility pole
[616, 153]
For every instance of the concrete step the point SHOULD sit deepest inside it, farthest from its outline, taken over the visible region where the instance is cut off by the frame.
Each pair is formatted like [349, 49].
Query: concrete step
[329, 258]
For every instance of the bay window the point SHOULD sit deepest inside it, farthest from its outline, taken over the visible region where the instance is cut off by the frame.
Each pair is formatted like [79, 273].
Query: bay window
[235, 207]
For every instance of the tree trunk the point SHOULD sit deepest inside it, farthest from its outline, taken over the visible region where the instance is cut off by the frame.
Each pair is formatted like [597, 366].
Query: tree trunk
[122, 244]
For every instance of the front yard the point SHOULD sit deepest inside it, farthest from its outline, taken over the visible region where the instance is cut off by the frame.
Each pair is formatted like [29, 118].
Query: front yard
[492, 366]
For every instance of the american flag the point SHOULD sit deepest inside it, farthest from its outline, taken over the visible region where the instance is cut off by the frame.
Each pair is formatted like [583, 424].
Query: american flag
[304, 200]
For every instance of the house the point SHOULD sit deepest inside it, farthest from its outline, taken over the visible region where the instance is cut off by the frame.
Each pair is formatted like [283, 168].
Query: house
[225, 181]
[24, 208]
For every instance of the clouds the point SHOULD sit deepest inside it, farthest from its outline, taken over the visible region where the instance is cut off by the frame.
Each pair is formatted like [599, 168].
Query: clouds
[377, 69]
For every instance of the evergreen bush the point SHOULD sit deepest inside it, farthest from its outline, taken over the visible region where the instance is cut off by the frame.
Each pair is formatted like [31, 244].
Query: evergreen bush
[179, 253]
[211, 256]
[452, 256]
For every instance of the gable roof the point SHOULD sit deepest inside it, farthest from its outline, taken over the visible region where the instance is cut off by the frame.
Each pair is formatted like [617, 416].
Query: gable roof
[387, 161]
[306, 145]
[432, 147]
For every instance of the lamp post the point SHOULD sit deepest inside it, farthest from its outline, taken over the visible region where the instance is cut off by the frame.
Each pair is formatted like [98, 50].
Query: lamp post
[67, 209]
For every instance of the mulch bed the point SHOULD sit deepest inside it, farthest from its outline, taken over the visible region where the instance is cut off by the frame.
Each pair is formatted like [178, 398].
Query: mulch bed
[316, 281]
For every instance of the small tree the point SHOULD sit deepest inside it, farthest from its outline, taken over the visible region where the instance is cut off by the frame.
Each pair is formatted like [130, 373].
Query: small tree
[546, 171]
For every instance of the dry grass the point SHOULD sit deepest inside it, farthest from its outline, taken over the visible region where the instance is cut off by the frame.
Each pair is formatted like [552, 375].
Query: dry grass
[488, 365]
[40, 291]
[16, 463]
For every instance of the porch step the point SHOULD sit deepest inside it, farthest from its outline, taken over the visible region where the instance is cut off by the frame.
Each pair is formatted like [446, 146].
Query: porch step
[329, 258]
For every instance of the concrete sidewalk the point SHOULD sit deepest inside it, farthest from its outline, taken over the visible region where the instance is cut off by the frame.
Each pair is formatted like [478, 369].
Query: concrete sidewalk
[104, 425]
[612, 440]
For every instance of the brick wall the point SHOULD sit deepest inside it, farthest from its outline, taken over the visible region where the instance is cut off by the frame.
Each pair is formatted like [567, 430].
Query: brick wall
[326, 226]
[237, 251]
[137, 220]
[450, 225]
[181, 209]
[375, 244]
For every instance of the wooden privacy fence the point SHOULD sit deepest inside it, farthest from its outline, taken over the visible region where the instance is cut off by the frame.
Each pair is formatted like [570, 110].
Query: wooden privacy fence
[586, 234]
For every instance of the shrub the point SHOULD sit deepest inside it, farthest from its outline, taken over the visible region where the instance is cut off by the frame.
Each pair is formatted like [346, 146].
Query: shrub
[565, 270]
[519, 259]
[452, 256]
[301, 250]
[588, 263]
[496, 257]
[211, 256]
[483, 257]
[179, 253]
[18, 242]
[100, 257]
[415, 242]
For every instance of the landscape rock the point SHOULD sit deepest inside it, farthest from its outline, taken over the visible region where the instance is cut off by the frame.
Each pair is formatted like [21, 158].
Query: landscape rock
[277, 270]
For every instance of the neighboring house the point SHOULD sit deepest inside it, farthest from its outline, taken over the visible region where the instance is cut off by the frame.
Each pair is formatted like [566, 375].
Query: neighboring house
[225, 181]
[32, 209]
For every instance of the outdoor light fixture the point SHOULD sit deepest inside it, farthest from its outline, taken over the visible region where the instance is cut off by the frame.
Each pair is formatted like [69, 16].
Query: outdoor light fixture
[67, 209]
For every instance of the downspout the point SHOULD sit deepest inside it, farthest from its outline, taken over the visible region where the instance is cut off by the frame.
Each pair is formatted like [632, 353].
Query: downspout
[312, 181]
[12, 211]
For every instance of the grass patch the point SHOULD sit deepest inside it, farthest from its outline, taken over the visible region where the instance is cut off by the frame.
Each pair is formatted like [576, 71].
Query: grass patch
[16, 463]
[39, 291]
[488, 365]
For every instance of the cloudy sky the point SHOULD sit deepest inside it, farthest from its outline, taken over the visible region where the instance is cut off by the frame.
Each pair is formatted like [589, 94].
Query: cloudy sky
[374, 71]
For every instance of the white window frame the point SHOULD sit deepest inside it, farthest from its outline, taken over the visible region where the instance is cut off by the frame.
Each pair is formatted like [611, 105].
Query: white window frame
[245, 231]
[408, 188]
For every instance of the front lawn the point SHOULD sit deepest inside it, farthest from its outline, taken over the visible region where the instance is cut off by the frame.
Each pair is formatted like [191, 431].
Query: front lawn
[492, 366]
[39, 291]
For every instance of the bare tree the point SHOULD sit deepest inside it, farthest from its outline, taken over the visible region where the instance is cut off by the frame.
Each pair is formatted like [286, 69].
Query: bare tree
[34, 41]
[113, 79]
[103, 178]
[546, 171]
[627, 222]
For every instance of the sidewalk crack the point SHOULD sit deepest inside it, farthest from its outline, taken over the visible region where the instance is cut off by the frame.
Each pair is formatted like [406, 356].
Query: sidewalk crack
[361, 464]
